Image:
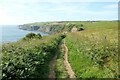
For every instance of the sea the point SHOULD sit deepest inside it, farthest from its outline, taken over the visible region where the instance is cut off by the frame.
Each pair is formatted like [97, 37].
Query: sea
[12, 33]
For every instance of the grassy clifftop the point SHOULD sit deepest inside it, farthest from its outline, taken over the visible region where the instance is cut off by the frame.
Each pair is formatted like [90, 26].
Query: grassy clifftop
[53, 27]
[92, 53]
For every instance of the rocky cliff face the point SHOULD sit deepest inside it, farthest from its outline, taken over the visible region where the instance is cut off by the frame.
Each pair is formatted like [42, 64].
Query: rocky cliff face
[49, 27]
[29, 28]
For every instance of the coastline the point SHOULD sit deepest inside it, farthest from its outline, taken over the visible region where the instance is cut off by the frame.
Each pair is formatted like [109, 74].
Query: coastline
[12, 33]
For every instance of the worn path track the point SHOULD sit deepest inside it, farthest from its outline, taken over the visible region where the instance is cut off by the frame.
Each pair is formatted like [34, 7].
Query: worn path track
[67, 65]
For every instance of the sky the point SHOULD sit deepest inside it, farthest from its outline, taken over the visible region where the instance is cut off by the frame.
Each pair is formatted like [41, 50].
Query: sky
[29, 11]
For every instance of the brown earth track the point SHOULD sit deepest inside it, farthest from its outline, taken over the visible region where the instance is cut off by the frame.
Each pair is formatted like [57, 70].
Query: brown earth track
[67, 65]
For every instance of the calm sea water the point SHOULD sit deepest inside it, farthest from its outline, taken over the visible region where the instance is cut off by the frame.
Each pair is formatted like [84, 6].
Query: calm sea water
[12, 33]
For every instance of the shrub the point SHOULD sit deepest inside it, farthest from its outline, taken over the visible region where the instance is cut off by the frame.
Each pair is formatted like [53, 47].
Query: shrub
[38, 35]
[19, 61]
[63, 35]
[32, 35]
[80, 29]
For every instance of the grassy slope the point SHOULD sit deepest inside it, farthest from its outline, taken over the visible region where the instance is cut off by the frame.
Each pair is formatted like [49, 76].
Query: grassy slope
[93, 53]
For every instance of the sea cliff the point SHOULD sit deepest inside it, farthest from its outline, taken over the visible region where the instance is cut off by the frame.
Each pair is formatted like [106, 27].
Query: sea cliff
[50, 27]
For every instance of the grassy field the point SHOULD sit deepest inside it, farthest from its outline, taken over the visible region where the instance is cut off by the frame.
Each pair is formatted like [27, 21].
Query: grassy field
[93, 53]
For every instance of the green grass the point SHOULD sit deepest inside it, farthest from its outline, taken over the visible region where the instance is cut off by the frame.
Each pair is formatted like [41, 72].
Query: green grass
[59, 65]
[0, 62]
[93, 53]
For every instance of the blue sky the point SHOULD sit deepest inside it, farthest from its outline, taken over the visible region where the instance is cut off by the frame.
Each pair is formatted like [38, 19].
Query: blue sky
[28, 11]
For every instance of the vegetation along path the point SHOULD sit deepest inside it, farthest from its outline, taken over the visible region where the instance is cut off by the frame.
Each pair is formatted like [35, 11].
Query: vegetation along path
[52, 67]
[66, 63]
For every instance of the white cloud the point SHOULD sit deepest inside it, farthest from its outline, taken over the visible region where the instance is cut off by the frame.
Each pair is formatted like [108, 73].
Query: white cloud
[84, 9]
[6, 19]
[112, 6]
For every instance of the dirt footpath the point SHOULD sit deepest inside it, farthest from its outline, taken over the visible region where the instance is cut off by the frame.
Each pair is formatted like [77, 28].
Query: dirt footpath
[67, 65]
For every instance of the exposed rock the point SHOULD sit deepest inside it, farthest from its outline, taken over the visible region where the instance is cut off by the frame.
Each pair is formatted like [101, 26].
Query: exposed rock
[35, 27]
[74, 29]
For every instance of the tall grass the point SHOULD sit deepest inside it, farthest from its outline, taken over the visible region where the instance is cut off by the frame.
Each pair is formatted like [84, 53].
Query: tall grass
[94, 53]
[60, 69]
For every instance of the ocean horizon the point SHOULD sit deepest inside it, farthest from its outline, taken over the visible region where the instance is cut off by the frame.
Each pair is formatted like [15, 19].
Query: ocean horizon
[12, 33]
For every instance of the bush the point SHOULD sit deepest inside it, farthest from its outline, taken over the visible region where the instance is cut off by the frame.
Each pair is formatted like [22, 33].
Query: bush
[32, 35]
[80, 29]
[63, 36]
[38, 35]
[23, 62]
